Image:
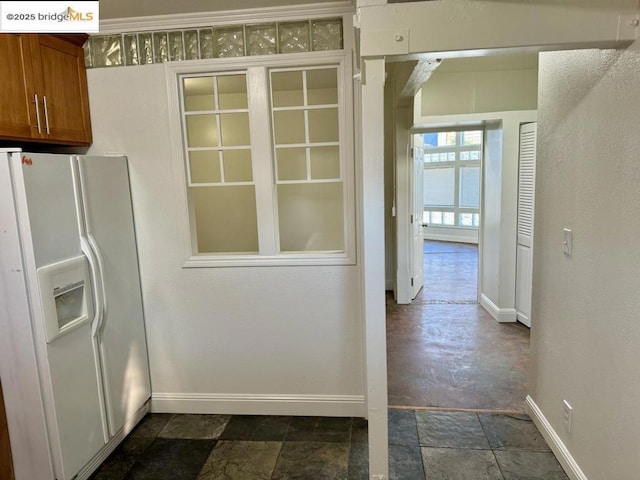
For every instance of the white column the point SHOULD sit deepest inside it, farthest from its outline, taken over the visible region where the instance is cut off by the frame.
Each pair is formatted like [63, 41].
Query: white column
[373, 264]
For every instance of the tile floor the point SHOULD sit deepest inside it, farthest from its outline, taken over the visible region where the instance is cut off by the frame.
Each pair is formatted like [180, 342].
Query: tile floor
[423, 445]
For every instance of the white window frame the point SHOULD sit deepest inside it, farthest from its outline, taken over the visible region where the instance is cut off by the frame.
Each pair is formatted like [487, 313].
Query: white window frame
[261, 146]
[457, 164]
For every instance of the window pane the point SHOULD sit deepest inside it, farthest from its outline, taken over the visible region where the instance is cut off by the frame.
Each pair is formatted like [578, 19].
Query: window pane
[232, 92]
[202, 131]
[472, 137]
[323, 125]
[289, 126]
[439, 186]
[237, 166]
[235, 129]
[466, 219]
[311, 217]
[449, 218]
[470, 187]
[436, 218]
[286, 89]
[226, 220]
[322, 87]
[204, 167]
[198, 94]
[292, 163]
[325, 162]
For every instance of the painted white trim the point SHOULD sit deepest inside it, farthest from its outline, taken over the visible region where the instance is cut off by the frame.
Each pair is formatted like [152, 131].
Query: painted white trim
[500, 315]
[259, 404]
[117, 438]
[231, 17]
[562, 453]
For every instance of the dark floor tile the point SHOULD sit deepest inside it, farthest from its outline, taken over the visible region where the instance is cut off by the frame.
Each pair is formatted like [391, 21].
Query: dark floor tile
[151, 425]
[359, 430]
[171, 459]
[405, 463]
[359, 462]
[118, 464]
[402, 428]
[460, 464]
[516, 465]
[241, 460]
[195, 426]
[450, 429]
[512, 432]
[319, 429]
[256, 427]
[312, 461]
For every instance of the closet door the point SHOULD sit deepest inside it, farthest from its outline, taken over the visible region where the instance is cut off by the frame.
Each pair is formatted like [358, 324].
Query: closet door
[526, 192]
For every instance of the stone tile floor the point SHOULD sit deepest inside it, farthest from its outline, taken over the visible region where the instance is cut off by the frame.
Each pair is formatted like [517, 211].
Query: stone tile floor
[423, 445]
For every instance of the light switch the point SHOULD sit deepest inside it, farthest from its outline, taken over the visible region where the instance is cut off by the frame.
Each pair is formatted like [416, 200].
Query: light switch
[567, 244]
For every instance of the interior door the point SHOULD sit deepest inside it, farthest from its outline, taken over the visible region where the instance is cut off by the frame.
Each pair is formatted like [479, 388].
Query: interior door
[108, 219]
[526, 192]
[417, 199]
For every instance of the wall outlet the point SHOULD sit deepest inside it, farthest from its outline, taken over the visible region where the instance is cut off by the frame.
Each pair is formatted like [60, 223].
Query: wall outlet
[567, 415]
[567, 244]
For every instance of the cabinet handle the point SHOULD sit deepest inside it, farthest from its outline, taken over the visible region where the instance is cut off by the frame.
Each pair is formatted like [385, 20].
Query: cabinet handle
[35, 97]
[46, 113]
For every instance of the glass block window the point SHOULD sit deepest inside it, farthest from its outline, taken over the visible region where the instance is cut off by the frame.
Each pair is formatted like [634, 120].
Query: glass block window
[452, 172]
[140, 48]
[268, 170]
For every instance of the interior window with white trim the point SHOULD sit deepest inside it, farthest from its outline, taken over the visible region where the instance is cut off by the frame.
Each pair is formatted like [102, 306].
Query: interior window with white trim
[268, 165]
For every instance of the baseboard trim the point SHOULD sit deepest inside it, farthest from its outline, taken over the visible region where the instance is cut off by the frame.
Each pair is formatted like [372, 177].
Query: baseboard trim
[556, 444]
[450, 238]
[257, 404]
[500, 315]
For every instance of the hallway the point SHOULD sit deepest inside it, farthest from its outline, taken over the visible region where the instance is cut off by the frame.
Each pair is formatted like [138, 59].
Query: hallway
[445, 351]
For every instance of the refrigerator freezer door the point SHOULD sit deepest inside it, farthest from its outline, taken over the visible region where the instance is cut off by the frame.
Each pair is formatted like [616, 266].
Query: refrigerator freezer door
[108, 222]
[44, 187]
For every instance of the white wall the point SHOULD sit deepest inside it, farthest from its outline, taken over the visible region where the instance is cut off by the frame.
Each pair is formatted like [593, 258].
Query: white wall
[449, 92]
[586, 340]
[241, 340]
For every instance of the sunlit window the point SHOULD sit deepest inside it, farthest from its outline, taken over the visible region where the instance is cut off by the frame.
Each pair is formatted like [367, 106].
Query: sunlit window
[452, 178]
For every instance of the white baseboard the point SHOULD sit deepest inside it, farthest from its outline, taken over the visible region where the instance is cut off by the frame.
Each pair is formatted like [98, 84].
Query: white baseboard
[451, 238]
[256, 404]
[558, 447]
[501, 315]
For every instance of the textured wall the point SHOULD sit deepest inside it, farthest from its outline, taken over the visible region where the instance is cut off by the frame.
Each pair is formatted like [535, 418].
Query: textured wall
[586, 333]
[264, 330]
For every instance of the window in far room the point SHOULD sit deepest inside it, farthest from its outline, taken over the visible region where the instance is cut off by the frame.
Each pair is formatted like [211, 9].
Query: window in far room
[452, 178]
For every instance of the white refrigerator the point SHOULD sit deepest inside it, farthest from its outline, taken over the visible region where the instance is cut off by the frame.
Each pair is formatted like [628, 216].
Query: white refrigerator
[73, 355]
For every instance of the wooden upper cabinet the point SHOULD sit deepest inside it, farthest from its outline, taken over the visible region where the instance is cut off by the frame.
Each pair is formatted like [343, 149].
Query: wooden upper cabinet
[17, 96]
[46, 100]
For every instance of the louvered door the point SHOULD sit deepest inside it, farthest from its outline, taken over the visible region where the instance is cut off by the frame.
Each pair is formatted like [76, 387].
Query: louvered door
[526, 194]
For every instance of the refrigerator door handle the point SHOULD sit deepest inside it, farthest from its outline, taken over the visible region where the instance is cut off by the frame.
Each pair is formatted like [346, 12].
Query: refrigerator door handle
[97, 255]
[98, 293]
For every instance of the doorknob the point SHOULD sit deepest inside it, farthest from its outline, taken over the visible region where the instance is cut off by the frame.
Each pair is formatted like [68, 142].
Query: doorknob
[425, 225]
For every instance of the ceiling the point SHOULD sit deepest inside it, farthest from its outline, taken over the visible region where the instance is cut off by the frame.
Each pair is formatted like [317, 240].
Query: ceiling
[110, 9]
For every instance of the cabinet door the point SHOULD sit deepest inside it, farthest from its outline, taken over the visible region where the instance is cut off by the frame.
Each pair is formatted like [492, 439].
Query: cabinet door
[17, 96]
[60, 76]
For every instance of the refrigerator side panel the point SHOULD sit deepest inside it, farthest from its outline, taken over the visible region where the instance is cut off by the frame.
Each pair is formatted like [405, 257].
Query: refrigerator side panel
[109, 223]
[18, 365]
